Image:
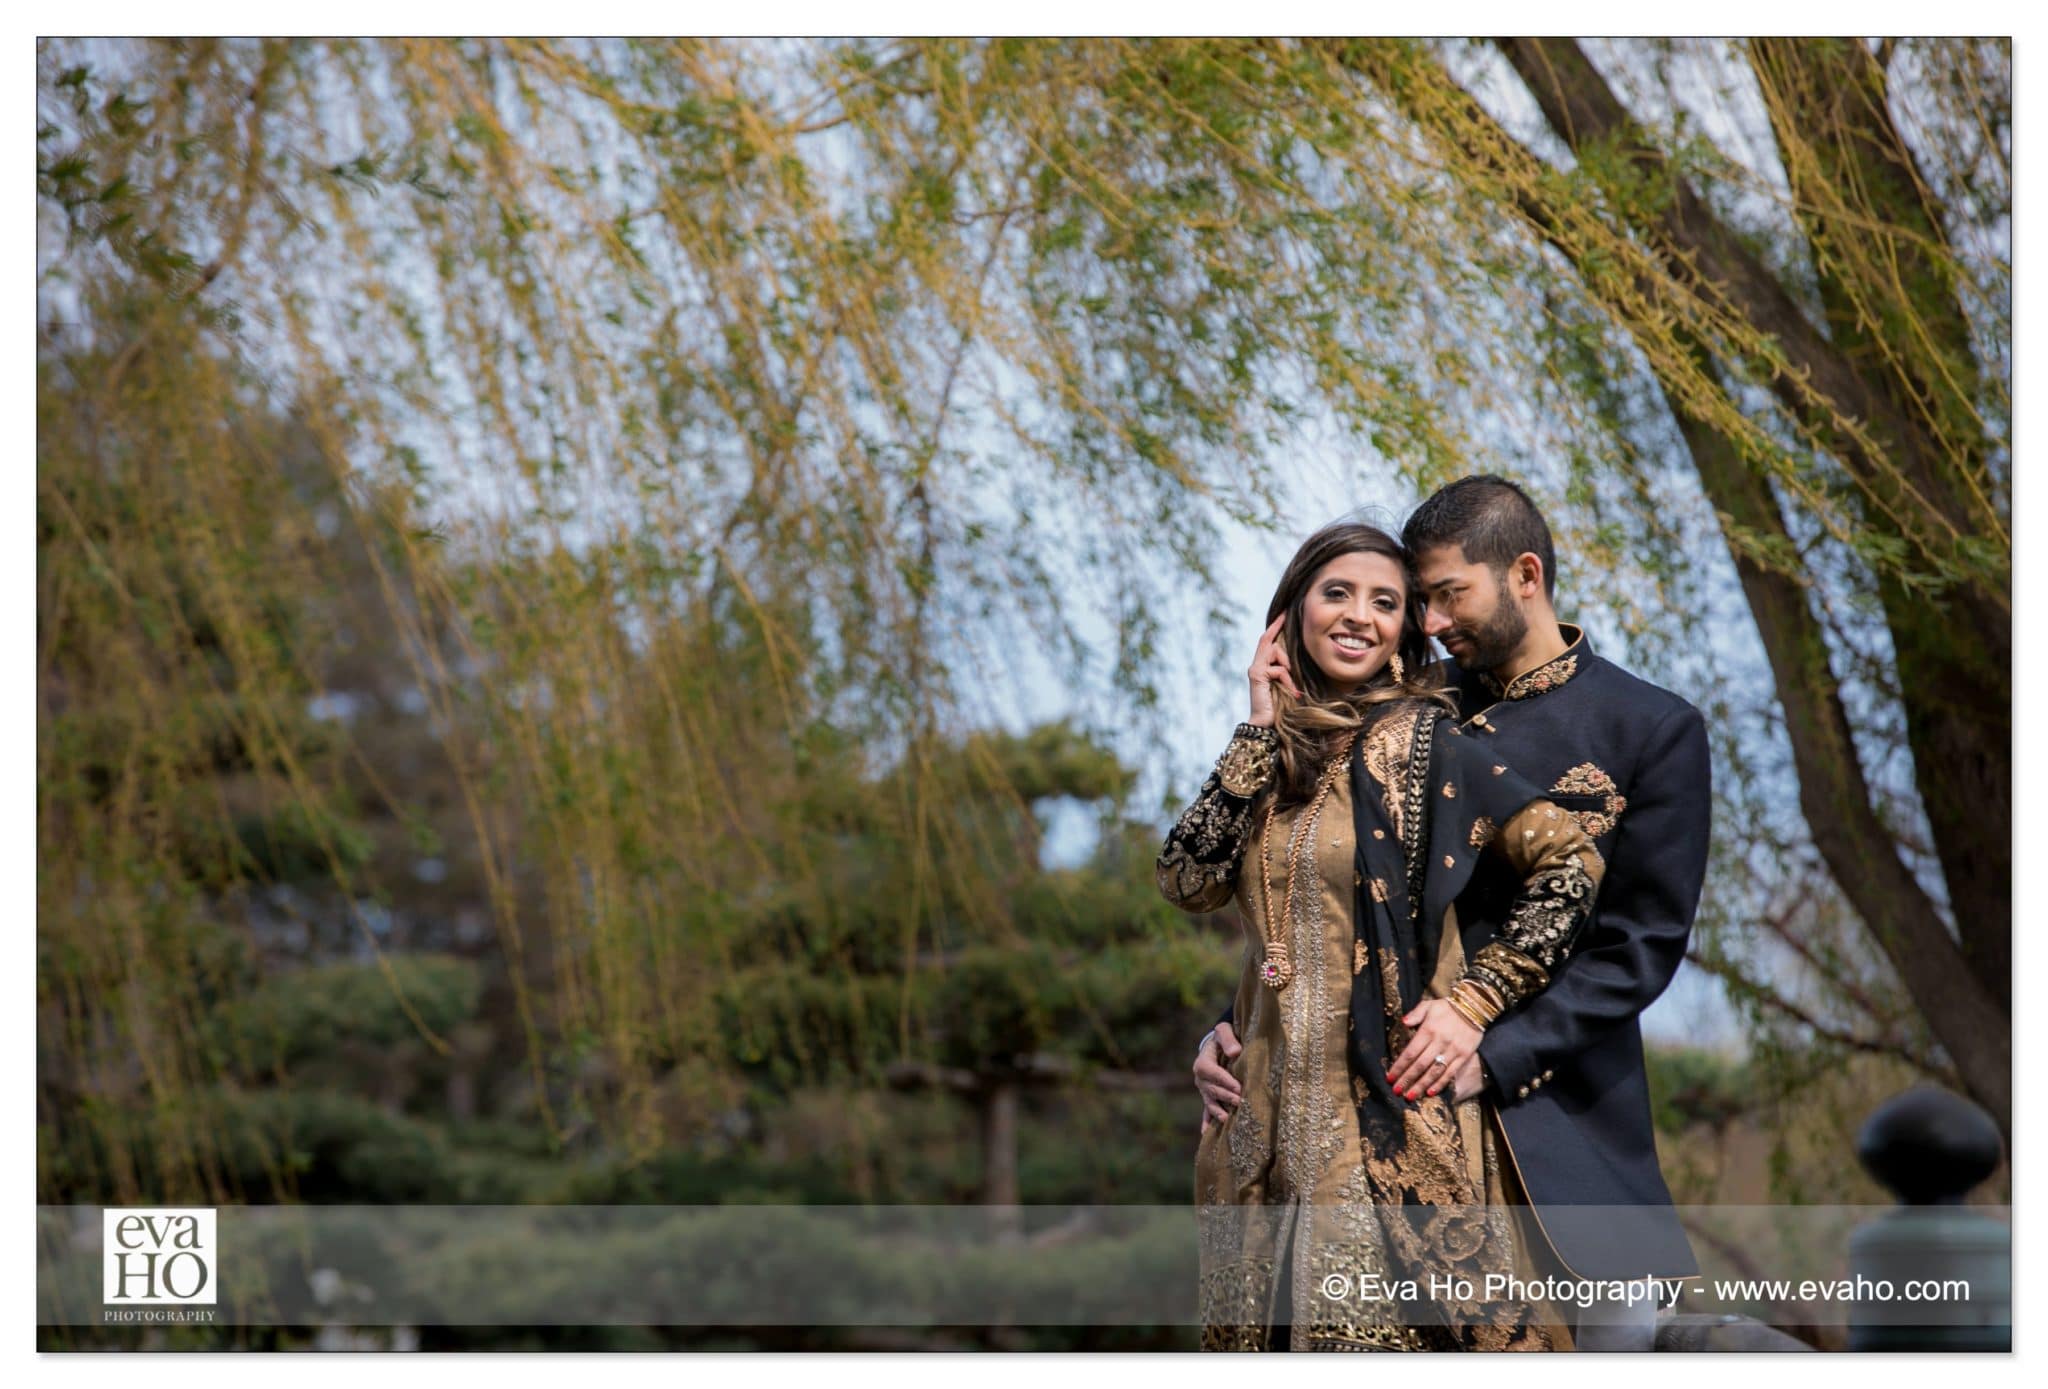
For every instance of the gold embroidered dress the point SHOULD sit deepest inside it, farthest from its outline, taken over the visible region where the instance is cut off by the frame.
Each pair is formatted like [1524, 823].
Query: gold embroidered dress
[1323, 1180]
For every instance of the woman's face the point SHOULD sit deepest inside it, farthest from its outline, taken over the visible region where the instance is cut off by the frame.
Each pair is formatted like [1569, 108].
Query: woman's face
[1351, 617]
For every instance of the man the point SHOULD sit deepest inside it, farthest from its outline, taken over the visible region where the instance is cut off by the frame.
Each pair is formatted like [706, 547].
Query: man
[1629, 761]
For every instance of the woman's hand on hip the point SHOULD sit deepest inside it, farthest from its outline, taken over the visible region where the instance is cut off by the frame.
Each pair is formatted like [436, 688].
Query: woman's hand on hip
[1442, 1043]
[1269, 668]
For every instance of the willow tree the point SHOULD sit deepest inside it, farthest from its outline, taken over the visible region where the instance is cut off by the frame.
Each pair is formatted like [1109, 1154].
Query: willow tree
[1838, 373]
[933, 368]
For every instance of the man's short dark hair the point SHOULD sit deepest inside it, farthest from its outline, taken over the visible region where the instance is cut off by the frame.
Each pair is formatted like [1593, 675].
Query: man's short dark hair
[1491, 519]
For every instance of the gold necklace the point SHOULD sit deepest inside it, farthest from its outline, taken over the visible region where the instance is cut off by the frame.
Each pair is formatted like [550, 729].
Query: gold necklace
[1278, 969]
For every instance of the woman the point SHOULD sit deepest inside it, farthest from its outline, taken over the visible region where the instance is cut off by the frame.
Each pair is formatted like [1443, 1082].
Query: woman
[1344, 818]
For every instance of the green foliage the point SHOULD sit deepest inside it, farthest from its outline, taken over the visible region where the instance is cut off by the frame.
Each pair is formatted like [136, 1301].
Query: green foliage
[983, 1008]
[297, 845]
[290, 1018]
[1692, 1085]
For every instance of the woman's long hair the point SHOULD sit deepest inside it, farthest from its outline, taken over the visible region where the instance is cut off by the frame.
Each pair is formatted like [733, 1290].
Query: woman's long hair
[1311, 728]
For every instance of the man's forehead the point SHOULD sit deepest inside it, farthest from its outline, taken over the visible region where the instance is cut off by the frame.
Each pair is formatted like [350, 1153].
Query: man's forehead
[1436, 563]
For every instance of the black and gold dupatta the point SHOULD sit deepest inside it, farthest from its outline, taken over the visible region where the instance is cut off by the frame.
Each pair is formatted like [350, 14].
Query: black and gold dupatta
[1425, 800]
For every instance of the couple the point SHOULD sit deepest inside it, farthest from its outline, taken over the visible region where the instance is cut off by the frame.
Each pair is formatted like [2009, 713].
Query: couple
[1432, 1065]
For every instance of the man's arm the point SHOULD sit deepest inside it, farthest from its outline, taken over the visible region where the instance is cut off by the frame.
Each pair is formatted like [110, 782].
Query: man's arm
[1640, 926]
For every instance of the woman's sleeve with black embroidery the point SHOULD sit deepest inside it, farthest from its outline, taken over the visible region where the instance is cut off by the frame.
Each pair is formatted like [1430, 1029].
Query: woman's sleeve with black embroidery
[1561, 872]
[1197, 869]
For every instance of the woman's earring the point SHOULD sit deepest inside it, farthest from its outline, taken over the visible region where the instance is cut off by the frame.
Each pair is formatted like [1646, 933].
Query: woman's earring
[1394, 664]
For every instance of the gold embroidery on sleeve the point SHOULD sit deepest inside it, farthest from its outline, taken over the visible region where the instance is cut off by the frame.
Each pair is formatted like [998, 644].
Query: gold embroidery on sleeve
[1247, 764]
[1509, 972]
[1588, 780]
[1197, 868]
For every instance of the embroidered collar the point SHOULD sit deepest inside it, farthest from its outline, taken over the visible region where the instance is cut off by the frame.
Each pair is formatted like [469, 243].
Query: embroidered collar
[1546, 677]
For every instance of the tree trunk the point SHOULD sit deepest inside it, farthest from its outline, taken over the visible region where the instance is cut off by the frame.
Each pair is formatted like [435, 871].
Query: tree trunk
[999, 1158]
[1835, 798]
[1828, 107]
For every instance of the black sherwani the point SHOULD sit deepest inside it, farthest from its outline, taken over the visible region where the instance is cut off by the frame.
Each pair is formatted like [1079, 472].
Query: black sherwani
[1629, 760]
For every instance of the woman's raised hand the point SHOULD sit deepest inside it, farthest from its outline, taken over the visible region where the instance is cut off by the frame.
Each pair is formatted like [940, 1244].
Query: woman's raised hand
[1269, 668]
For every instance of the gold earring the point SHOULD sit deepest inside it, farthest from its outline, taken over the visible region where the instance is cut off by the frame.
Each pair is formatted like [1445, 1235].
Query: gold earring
[1394, 664]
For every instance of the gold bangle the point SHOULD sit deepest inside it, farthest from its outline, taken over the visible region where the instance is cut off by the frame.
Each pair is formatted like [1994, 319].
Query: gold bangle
[1459, 1007]
[1483, 994]
[1474, 1003]
[1487, 993]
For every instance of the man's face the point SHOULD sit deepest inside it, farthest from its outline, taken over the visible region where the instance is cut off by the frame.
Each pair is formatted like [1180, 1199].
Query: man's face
[1471, 610]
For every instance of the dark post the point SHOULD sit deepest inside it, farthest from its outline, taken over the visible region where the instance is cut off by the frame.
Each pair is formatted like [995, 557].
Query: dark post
[1930, 1147]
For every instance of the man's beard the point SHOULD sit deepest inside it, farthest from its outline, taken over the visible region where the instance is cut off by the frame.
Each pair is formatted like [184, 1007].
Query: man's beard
[1490, 646]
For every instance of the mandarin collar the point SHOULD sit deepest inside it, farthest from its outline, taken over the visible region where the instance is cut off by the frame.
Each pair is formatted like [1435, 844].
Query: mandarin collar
[1548, 676]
